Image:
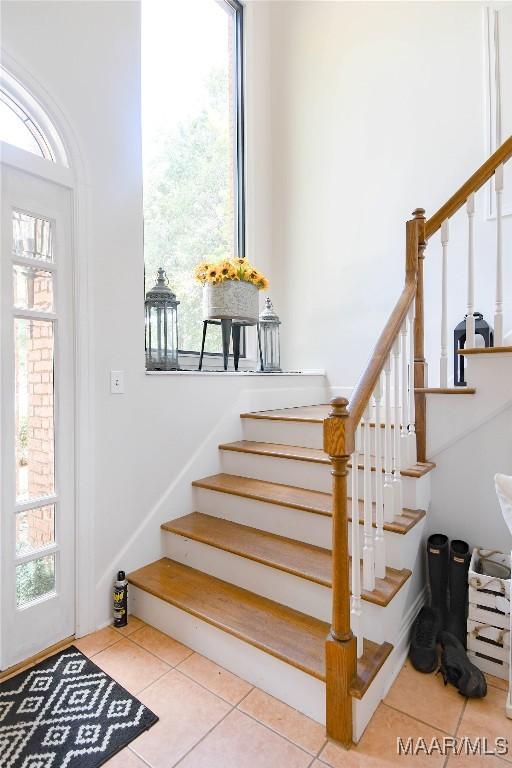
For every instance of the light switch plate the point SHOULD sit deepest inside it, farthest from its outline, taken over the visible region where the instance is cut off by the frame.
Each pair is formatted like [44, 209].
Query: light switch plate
[117, 382]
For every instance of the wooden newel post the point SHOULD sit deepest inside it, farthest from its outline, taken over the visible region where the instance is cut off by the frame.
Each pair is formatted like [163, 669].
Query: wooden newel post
[420, 364]
[340, 648]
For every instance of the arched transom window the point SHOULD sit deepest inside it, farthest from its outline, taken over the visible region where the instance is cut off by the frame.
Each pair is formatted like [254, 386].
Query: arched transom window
[17, 128]
[25, 124]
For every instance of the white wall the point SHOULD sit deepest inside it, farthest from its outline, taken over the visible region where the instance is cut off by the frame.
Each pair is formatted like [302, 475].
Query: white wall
[377, 108]
[464, 503]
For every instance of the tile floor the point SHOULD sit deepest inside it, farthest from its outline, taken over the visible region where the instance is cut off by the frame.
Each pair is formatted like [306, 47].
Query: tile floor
[209, 718]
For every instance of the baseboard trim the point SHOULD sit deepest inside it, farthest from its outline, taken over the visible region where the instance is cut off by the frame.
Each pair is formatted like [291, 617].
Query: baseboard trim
[401, 649]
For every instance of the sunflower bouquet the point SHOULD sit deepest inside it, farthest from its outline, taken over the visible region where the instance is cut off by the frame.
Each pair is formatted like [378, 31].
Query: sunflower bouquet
[215, 272]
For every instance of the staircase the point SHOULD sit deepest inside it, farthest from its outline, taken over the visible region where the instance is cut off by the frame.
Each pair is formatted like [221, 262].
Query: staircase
[300, 566]
[247, 577]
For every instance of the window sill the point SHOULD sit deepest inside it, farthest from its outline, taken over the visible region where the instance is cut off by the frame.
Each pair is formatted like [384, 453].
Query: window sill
[221, 372]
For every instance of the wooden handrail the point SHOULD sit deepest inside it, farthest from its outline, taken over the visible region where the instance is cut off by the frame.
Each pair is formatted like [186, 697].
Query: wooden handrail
[368, 381]
[477, 180]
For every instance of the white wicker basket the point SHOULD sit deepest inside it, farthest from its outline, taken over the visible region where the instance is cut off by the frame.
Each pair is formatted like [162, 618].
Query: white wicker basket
[489, 616]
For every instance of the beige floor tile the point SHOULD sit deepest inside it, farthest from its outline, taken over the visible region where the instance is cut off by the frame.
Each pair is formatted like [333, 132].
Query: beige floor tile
[475, 761]
[97, 641]
[486, 718]
[163, 646]
[295, 726]
[130, 665]
[215, 678]
[378, 747]
[186, 711]
[240, 742]
[497, 682]
[126, 759]
[438, 705]
[133, 625]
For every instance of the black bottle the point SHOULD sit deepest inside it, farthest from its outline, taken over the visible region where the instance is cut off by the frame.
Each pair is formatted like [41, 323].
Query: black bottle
[121, 600]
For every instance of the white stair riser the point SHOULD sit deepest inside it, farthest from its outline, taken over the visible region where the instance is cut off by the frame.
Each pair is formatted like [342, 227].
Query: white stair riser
[301, 433]
[379, 623]
[293, 523]
[303, 474]
[276, 677]
[401, 551]
[311, 475]
[284, 432]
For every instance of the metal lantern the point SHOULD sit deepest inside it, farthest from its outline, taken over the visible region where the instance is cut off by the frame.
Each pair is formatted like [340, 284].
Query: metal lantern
[482, 329]
[268, 328]
[161, 310]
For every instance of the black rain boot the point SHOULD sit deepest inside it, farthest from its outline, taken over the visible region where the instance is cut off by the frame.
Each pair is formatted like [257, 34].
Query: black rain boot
[437, 557]
[458, 577]
[457, 669]
[430, 620]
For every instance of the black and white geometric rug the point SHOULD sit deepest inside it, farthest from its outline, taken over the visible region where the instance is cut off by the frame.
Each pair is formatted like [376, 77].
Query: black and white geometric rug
[66, 713]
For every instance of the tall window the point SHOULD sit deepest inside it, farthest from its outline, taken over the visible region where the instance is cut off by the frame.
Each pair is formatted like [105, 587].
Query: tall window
[192, 128]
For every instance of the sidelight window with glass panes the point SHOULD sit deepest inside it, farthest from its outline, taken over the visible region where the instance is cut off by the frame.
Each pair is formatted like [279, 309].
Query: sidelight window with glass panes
[36, 503]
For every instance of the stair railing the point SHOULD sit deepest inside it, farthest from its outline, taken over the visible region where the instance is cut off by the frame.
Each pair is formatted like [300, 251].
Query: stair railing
[494, 166]
[391, 389]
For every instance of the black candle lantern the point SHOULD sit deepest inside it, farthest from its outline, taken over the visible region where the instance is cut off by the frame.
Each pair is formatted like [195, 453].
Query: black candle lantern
[483, 329]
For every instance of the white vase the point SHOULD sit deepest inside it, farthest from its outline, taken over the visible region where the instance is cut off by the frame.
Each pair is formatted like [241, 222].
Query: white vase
[231, 300]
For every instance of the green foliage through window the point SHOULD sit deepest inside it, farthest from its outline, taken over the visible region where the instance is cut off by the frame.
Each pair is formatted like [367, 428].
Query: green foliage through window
[35, 579]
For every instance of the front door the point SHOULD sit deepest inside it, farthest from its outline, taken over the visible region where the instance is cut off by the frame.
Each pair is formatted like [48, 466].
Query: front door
[37, 586]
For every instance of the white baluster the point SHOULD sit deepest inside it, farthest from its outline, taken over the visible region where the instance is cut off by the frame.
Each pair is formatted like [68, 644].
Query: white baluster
[355, 609]
[498, 314]
[470, 320]
[368, 551]
[380, 548]
[404, 447]
[443, 365]
[397, 464]
[412, 403]
[389, 507]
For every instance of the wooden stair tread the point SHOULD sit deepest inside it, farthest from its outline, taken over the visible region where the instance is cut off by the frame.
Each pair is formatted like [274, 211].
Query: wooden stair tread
[289, 635]
[303, 499]
[296, 557]
[306, 414]
[314, 455]
[484, 350]
[446, 390]
[278, 450]
[313, 414]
